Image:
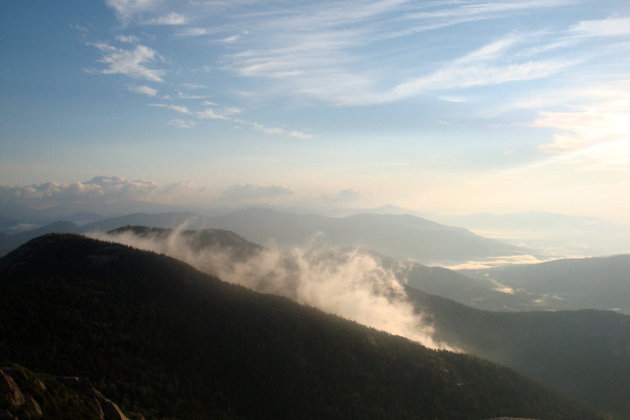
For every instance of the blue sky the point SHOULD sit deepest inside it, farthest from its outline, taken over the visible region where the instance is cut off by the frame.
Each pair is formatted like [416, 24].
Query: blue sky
[441, 106]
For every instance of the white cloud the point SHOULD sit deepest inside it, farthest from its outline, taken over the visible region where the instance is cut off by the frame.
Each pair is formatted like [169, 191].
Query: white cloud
[192, 32]
[319, 50]
[172, 19]
[131, 63]
[454, 99]
[179, 123]
[126, 9]
[210, 114]
[232, 110]
[434, 15]
[275, 130]
[487, 65]
[231, 39]
[185, 95]
[584, 127]
[603, 27]
[143, 90]
[180, 108]
[582, 114]
[226, 115]
[193, 86]
[127, 39]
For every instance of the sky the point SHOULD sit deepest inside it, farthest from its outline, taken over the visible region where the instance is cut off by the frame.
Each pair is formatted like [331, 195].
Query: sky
[449, 107]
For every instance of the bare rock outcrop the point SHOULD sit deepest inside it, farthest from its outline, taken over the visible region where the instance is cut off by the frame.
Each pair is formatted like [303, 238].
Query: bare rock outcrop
[10, 390]
[23, 395]
[108, 410]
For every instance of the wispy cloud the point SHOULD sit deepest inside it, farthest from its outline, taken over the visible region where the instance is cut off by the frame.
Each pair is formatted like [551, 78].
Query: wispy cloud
[179, 123]
[488, 65]
[211, 114]
[185, 95]
[171, 19]
[585, 127]
[455, 99]
[127, 39]
[319, 51]
[180, 108]
[131, 63]
[583, 114]
[143, 90]
[437, 15]
[603, 27]
[193, 32]
[232, 38]
[227, 114]
[193, 86]
[126, 9]
[275, 130]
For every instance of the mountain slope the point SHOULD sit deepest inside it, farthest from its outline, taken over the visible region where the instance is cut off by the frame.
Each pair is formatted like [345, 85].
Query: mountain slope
[163, 339]
[399, 236]
[572, 341]
[580, 283]
[585, 354]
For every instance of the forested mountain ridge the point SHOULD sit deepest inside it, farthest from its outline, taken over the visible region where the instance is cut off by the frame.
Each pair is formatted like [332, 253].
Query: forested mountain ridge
[559, 349]
[585, 354]
[163, 339]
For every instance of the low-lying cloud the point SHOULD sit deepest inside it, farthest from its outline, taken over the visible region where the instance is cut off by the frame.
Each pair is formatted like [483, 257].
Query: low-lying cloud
[350, 283]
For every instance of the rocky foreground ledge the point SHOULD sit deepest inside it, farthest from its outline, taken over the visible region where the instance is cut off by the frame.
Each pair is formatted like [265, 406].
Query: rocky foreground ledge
[28, 395]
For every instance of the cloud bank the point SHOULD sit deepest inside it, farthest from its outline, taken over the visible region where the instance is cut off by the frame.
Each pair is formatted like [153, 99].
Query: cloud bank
[98, 191]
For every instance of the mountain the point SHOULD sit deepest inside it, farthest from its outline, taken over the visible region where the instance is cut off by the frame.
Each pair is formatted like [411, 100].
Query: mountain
[476, 292]
[217, 240]
[503, 338]
[403, 237]
[165, 220]
[585, 354]
[163, 339]
[578, 283]
[10, 242]
[400, 236]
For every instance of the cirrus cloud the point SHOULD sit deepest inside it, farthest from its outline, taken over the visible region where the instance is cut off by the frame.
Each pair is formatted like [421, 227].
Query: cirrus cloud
[131, 63]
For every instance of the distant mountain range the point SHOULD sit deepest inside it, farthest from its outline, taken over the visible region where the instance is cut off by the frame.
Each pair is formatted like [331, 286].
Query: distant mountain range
[403, 237]
[553, 286]
[165, 340]
[580, 283]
